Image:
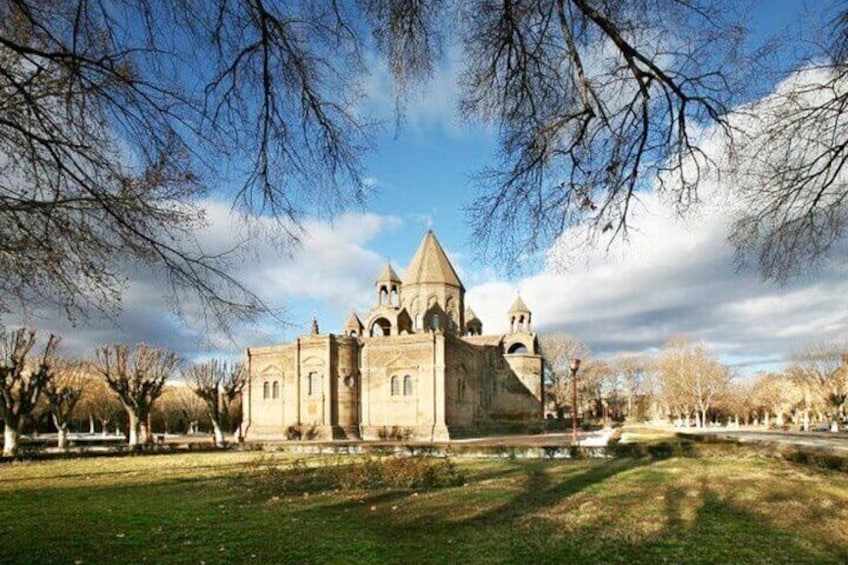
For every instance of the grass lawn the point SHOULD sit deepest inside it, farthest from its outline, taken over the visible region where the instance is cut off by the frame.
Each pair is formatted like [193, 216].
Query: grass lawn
[265, 508]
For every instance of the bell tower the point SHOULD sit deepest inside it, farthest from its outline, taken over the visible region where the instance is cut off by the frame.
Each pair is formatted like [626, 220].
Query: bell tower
[388, 287]
[519, 317]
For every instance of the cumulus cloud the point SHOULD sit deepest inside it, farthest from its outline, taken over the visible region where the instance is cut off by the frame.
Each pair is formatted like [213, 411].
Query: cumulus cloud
[674, 275]
[332, 265]
[432, 105]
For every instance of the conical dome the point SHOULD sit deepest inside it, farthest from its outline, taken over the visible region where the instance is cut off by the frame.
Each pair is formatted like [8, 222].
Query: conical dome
[518, 307]
[388, 275]
[431, 265]
[354, 321]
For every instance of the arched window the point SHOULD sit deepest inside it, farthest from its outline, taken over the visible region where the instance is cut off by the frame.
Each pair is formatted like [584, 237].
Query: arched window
[384, 295]
[434, 321]
[275, 390]
[394, 299]
[407, 385]
[381, 327]
[419, 322]
[395, 386]
[314, 384]
[353, 333]
[517, 348]
[266, 390]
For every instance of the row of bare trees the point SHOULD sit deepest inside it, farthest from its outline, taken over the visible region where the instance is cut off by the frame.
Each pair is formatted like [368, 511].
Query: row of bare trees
[685, 383]
[118, 378]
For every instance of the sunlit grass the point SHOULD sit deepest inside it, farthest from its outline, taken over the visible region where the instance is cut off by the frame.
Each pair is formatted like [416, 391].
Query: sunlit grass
[218, 507]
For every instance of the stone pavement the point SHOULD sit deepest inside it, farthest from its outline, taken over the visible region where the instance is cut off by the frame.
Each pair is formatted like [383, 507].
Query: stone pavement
[836, 442]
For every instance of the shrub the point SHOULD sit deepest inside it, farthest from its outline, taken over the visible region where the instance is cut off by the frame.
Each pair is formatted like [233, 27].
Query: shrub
[372, 473]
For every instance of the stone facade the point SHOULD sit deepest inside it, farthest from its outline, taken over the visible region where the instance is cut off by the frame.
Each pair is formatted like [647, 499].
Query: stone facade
[418, 367]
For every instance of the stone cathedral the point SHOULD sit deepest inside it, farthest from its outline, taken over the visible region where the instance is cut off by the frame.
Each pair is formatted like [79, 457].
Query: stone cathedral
[417, 366]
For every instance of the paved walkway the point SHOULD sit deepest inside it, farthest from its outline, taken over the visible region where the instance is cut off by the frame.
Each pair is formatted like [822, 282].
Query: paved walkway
[830, 441]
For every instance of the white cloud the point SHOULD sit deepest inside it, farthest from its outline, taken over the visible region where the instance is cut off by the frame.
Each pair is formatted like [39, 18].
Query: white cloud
[431, 105]
[672, 280]
[332, 265]
[674, 276]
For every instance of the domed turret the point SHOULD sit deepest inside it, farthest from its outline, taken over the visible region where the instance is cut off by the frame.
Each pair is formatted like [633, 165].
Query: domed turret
[432, 292]
[473, 325]
[353, 327]
[519, 317]
[388, 287]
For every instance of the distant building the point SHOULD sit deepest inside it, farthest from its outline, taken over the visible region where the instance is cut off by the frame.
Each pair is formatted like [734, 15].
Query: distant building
[417, 366]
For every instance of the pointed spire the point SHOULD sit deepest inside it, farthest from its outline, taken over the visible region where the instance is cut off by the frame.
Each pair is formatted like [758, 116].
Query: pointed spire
[518, 307]
[353, 321]
[314, 326]
[431, 264]
[353, 327]
[388, 275]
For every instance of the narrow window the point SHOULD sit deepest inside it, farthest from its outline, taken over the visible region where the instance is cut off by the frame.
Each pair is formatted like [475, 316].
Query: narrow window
[266, 390]
[435, 322]
[314, 384]
[419, 322]
[275, 390]
[395, 386]
[407, 385]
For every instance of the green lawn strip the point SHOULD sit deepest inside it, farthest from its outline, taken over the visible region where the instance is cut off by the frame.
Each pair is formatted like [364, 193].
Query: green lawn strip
[215, 508]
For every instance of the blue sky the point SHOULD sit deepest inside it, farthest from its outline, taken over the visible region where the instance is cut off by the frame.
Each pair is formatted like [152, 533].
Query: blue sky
[673, 277]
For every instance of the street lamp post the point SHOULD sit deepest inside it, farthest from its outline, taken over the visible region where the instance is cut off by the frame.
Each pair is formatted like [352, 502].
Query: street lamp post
[575, 365]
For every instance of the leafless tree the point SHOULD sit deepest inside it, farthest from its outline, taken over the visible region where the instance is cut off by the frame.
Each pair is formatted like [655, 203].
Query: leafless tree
[691, 378]
[739, 401]
[777, 394]
[63, 392]
[179, 410]
[597, 386]
[634, 371]
[22, 380]
[218, 384]
[824, 367]
[137, 376]
[593, 99]
[558, 350]
[789, 167]
[99, 403]
[112, 130]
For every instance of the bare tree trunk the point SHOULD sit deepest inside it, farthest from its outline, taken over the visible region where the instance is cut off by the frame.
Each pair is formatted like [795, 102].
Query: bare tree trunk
[10, 440]
[219, 433]
[61, 433]
[704, 418]
[91, 424]
[135, 428]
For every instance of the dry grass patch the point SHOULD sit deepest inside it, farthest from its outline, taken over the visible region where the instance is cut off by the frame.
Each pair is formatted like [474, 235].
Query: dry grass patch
[210, 507]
